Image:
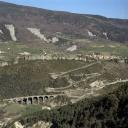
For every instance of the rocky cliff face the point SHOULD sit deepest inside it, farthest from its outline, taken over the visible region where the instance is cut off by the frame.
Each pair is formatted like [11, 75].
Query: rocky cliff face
[51, 22]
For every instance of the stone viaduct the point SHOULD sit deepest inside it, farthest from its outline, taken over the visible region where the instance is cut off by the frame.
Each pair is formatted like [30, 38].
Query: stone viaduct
[40, 99]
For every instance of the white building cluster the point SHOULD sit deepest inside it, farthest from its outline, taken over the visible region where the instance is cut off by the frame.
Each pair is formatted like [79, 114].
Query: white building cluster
[77, 57]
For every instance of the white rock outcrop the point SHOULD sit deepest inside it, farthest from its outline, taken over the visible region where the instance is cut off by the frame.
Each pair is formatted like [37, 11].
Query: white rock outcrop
[55, 39]
[106, 35]
[18, 125]
[91, 34]
[37, 33]
[72, 48]
[11, 29]
[1, 32]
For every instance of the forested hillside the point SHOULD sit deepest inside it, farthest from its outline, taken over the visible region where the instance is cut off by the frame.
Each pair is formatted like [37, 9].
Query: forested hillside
[108, 111]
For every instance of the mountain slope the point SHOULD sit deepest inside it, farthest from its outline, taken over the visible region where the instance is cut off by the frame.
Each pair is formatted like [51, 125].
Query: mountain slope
[47, 23]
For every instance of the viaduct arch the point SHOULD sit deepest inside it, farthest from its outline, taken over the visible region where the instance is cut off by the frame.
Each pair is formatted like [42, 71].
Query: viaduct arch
[31, 99]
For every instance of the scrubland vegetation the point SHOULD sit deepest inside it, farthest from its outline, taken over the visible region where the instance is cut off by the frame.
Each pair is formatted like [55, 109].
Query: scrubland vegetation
[107, 111]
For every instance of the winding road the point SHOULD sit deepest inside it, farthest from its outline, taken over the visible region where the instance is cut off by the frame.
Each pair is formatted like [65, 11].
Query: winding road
[57, 75]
